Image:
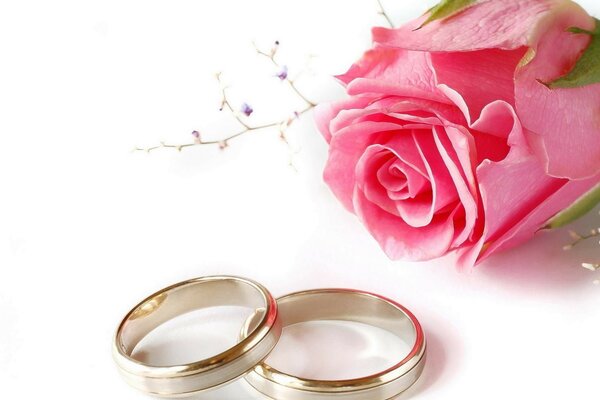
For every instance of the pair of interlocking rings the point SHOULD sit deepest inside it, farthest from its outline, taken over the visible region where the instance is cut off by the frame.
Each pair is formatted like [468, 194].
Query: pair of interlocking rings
[259, 337]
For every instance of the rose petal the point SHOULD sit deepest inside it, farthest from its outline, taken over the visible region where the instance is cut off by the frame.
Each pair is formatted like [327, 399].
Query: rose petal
[464, 182]
[409, 186]
[527, 227]
[417, 211]
[400, 240]
[345, 149]
[435, 166]
[393, 72]
[443, 191]
[374, 158]
[481, 77]
[356, 136]
[489, 24]
[565, 122]
[497, 131]
[510, 190]
[324, 113]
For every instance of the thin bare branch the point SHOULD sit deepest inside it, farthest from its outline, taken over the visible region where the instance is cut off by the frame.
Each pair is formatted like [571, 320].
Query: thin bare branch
[271, 57]
[578, 238]
[385, 15]
[246, 127]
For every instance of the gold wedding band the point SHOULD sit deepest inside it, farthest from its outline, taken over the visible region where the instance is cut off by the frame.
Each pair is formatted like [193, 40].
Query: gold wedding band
[345, 305]
[181, 298]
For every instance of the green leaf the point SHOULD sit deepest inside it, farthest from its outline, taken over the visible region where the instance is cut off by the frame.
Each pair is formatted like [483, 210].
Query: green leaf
[581, 207]
[447, 8]
[587, 69]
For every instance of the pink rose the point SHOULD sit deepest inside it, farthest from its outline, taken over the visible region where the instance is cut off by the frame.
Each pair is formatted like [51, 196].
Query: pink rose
[448, 142]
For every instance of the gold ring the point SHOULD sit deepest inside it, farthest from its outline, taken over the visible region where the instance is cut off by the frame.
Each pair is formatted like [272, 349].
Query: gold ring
[184, 297]
[345, 305]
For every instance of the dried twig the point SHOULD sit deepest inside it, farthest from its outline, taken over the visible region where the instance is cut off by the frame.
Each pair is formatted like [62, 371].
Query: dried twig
[271, 56]
[385, 15]
[578, 239]
[246, 127]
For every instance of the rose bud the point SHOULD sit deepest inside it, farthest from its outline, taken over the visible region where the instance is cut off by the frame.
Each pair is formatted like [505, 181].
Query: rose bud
[451, 140]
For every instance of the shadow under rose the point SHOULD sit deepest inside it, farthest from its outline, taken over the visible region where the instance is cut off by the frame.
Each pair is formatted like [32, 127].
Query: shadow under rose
[542, 265]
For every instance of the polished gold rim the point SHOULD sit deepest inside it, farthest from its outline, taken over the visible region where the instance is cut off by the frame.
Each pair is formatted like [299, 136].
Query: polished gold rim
[178, 299]
[347, 305]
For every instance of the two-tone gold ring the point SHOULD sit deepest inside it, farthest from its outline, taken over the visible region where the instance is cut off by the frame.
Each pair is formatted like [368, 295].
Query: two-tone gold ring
[179, 299]
[259, 337]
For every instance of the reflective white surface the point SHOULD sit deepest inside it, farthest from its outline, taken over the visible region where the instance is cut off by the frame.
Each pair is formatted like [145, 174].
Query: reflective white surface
[87, 228]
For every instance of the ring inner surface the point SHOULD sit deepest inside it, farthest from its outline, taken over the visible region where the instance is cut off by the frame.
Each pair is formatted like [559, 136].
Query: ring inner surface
[352, 306]
[347, 306]
[181, 299]
[341, 305]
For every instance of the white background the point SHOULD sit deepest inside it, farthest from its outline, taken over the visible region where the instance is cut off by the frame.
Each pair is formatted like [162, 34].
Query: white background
[88, 228]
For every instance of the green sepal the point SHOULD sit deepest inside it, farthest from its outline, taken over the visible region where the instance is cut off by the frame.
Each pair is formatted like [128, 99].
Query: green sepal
[587, 69]
[582, 206]
[447, 8]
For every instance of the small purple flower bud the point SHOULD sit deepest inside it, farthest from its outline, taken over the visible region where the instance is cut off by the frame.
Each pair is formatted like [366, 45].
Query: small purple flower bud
[282, 73]
[196, 134]
[246, 109]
